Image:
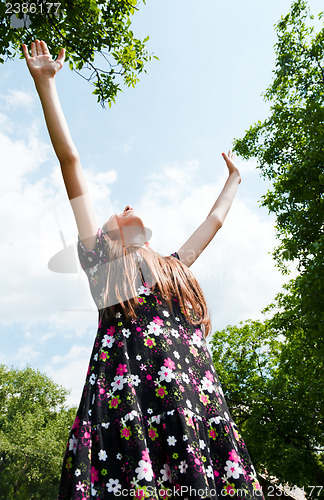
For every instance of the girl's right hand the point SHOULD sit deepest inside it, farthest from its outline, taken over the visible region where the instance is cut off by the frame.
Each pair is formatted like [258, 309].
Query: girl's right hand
[40, 63]
[232, 168]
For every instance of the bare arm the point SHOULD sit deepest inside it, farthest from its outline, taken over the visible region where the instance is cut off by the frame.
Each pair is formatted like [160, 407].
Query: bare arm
[43, 70]
[199, 240]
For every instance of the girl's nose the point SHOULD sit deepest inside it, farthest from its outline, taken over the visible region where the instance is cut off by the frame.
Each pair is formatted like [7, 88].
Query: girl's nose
[128, 208]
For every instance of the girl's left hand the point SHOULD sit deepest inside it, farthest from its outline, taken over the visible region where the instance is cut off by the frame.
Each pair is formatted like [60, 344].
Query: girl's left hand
[232, 169]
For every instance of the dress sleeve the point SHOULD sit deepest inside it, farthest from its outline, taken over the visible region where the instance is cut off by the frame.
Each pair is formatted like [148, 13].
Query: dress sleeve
[90, 258]
[94, 263]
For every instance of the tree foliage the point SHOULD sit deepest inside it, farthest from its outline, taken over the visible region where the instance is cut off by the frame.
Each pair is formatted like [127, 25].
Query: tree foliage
[272, 370]
[34, 427]
[87, 29]
[276, 403]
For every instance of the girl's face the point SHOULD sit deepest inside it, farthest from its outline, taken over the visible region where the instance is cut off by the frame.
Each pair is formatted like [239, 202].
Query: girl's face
[127, 218]
[129, 224]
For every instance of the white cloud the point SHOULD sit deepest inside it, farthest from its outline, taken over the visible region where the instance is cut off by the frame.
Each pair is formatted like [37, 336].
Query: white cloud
[17, 99]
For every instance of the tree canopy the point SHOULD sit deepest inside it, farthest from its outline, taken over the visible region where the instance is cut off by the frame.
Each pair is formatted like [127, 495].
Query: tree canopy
[34, 428]
[89, 30]
[272, 370]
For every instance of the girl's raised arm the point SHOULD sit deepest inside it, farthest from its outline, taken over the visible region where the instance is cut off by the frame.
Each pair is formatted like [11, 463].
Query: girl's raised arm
[198, 241]
[43, 70]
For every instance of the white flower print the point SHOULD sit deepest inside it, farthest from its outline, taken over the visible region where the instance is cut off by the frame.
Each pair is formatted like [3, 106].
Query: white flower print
[118, 383]
[150, 411]
[177, 319]
[185, 378]
[143, 290]
[93, 491]
[126, 332]
[195, 340]
[154, 328]
[166, 473]
[209, 471]
[185, 437]
[135, 380]
[202, 444]
[166, 374]
[118, 315]
[183, 466]
[107, 341]
[186, 360]
[166, 314]
[105, 425]
[113, 485]
[226, 415]
[207, 385]
[138, 357]
[190, 449]
[93, 398]
[233, 469]
[144, 470]
[95, 357]
[176, 354]
[93, 379]
[77, 472]
[73, 443]
[175, 333]
[102, 455]
[171, 440]
[119, 456]
[89, 413]
[188, 402]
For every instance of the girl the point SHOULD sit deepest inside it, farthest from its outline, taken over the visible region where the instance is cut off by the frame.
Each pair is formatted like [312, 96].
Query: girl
[152, 422]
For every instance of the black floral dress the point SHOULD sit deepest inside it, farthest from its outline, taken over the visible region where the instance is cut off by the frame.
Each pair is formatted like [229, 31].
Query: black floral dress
[152, 422]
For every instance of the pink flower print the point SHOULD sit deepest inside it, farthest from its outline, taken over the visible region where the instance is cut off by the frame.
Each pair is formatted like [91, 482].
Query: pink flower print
[230, 489]
[209, 376]
[141, 300]
[152, 434]
[158, 321]
[121, 369]
[94, 474]
[158, 301]
[114, 402]
[126, 433]
[120, 344]
[233, 456]
[198, 332]
[76, 424]
[111, 330]
[149, 342]
[103, 356]
[86, 439]
[161, 391]
[169, 341]
[146, 456]
[143, 367]
[95, 280]
[204, 398]
[181, 388]
[169, 363]
[212, 433]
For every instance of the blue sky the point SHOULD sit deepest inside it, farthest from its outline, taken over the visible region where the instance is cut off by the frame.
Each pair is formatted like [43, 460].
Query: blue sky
[159, 150]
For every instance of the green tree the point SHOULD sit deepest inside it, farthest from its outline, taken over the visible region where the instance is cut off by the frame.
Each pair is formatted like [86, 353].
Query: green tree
[88, 29]
[34, 427]
[275, 386]
[275, 403]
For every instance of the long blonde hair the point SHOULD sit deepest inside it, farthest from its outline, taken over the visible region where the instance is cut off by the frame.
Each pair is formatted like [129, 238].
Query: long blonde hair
[173, 279]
